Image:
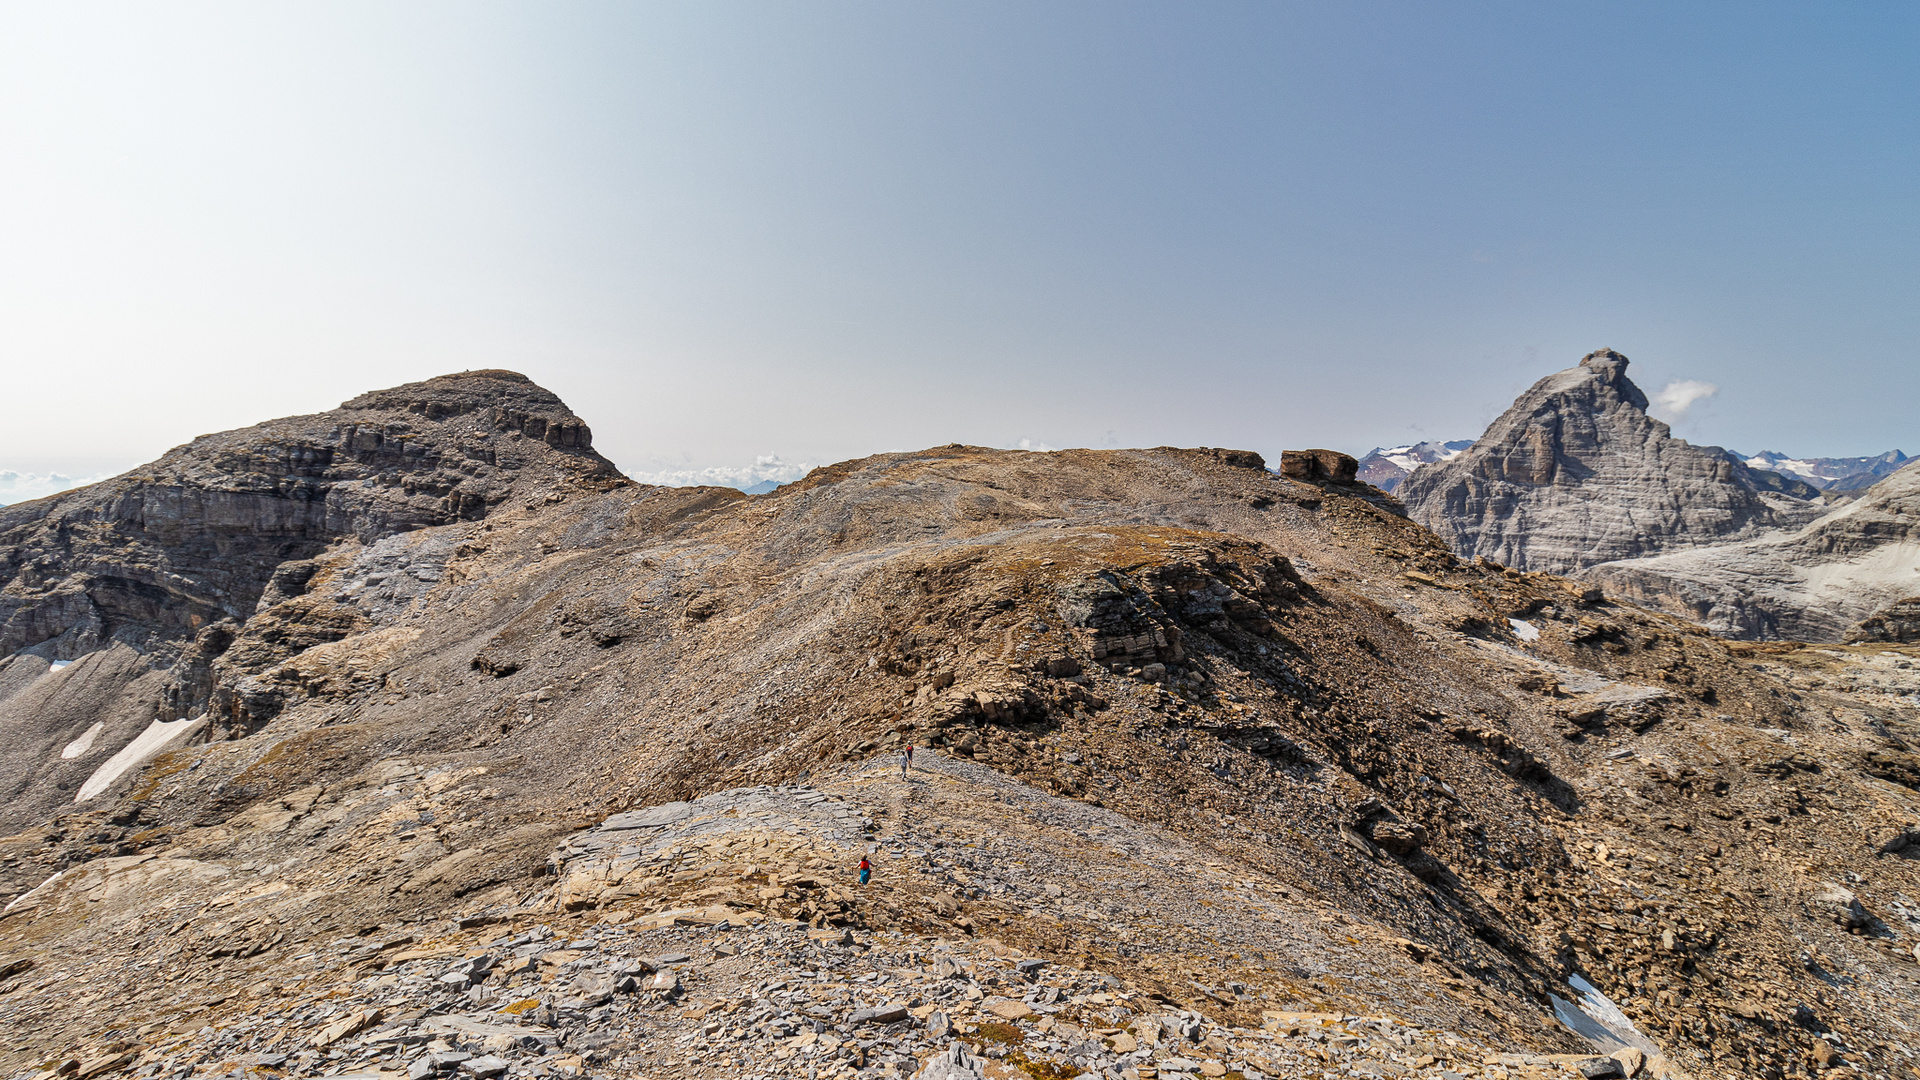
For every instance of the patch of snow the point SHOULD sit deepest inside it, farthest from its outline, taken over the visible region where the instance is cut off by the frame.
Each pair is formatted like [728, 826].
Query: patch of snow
[1792, 465]
[84, 743]
[34, 893]
[57, 665]
[1599, 1021]
[158, 734]
[1414, 455]
[1525, 631]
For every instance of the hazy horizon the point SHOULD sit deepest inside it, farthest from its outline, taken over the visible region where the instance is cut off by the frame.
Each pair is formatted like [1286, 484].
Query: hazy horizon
[739, 239]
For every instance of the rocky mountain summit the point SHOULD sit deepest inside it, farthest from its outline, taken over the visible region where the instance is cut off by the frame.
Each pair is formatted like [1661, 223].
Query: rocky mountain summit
[1813, 584]
[1220, 772]
[1576, 473]
[119, 600]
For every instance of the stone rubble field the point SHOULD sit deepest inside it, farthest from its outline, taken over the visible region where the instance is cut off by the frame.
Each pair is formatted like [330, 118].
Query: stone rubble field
[658, 954]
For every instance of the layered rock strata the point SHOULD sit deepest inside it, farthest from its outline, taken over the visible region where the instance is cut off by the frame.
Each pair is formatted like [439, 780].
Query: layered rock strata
[1897, 622]
[1576, 473]
[1813, 584]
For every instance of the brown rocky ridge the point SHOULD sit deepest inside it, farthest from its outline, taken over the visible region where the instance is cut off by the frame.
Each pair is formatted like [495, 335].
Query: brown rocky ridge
[1219, 773]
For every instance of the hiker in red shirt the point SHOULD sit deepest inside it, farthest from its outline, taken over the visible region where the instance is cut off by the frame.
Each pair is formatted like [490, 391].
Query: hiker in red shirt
[866, 869]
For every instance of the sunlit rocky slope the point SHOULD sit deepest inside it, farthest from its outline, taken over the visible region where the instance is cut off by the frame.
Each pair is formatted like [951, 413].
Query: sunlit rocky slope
[1219, 772]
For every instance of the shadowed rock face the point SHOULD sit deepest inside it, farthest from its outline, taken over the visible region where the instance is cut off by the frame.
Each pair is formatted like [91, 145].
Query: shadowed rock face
[1811, 585]
[168, 562]
[1576, 473]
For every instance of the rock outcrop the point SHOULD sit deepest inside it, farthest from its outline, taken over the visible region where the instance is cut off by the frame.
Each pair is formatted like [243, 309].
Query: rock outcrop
[145, 580]
[1813, 584]
[1576, 473]
[1319, 466]
[1898, 622]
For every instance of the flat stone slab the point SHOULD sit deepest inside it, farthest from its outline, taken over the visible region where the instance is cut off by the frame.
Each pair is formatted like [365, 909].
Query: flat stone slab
[456, 1024]
[653, 817]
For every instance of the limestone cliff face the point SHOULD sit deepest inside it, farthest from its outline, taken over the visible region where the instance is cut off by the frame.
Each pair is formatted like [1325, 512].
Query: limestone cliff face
[1810, 585]
[147, 578]
[1576, 473]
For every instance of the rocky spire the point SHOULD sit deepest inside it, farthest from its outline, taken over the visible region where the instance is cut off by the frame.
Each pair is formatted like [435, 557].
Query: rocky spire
[1576, 473]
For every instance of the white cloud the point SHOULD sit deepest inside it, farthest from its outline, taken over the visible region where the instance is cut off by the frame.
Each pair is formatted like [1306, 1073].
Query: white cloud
[20, 487]
[1673, 400]
[1029, 444]
[764, 468]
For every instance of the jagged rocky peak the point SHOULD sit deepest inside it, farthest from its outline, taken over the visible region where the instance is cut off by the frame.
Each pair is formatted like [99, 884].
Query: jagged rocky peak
[1576, 473]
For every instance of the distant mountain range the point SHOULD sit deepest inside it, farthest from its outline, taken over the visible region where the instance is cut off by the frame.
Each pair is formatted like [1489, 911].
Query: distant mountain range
[1833, 473]
[1386, 467]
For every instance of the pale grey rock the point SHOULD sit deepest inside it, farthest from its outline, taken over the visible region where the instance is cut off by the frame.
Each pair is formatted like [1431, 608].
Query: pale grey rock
[953, 1063]
[485, 1067]
[1820, 583]
[1576, 473]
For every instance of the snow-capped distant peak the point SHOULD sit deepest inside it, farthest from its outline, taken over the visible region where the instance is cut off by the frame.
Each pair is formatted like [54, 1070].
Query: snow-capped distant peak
[1767, 459]
[1831, 474]
[1386, 466]
[1414, 455]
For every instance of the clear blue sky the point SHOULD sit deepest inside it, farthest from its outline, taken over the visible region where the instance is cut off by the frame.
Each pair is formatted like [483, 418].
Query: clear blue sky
[820, 230]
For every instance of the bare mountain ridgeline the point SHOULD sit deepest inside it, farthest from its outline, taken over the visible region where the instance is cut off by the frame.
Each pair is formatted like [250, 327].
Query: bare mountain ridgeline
[1213, 760]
